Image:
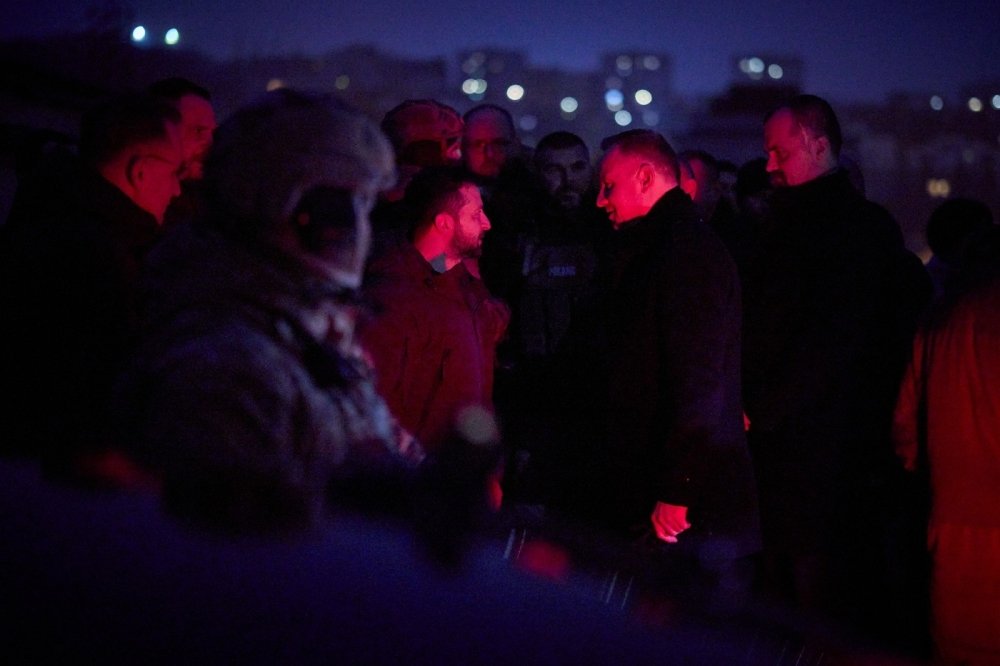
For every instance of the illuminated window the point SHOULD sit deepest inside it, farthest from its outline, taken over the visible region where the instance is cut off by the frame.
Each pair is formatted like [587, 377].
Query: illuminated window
[172, 37]
[623, 118]
[775, 71]
[569, 104]
[474, 86]
[938, 188]
[138, 33]
[996, 102]
[643, 97]
[975, 104]
[614, 99]
[755, 66]
[515, 92]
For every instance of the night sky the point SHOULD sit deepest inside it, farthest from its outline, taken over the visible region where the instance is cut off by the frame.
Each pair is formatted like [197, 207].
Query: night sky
[853, 50]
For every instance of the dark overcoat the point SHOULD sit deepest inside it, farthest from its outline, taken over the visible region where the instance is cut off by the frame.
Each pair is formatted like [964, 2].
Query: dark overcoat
[668, 371]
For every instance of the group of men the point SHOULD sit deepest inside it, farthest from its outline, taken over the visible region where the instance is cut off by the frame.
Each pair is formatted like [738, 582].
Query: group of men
[720, 410]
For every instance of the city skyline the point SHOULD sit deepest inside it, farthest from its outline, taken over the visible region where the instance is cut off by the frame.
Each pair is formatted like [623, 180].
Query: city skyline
[854, 51]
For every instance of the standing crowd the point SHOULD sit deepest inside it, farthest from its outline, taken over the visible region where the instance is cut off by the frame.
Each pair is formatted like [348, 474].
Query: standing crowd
[735, 378]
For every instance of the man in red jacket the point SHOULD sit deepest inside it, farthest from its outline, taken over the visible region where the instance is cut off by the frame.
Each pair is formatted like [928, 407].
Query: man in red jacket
[435, 332]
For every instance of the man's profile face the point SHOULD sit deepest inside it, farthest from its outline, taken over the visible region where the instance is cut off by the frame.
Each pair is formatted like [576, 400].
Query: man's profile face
[487, 143]
[619, 190]
[197, 127]
[156, 168]
[791, 152]
[566, 174]
[471, 224]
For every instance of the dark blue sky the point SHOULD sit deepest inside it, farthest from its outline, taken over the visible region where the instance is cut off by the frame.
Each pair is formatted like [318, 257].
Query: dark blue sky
[853, 50]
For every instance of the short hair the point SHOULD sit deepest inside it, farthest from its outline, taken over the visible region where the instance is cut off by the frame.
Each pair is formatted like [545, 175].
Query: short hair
[175, 87]
[815, 115]
[491, 108]
[435, 190]
[120, 123]
[560, 140]
[647, 144]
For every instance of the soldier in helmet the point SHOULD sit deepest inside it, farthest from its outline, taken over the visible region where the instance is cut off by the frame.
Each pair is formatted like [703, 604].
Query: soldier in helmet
[249, 394]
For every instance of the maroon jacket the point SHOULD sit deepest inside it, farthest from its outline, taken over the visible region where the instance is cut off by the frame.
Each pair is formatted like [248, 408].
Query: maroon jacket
[432, 341]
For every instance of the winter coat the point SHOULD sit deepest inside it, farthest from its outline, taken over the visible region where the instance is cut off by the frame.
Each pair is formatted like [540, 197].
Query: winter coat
[248, 391]
[432, 340]
[668, 370]
[72, 255]
[830, 304]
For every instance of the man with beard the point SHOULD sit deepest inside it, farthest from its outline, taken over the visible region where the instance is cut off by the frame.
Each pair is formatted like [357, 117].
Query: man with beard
[434, 334]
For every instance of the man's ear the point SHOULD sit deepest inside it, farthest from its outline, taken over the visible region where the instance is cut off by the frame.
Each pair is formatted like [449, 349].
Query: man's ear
[645, 175]
[444, 221]
[135, 173]
[821, 149]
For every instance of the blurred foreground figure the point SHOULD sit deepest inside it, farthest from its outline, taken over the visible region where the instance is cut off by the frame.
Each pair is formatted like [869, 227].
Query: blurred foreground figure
[249, 393]
[947, 424]
[72, 253]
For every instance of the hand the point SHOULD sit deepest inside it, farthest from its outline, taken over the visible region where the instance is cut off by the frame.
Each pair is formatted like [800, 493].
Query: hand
[669, 520]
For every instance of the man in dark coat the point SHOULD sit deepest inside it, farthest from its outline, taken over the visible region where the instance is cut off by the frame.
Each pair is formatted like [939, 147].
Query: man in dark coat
[72, 256]
[830, 302]
[668, 366]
